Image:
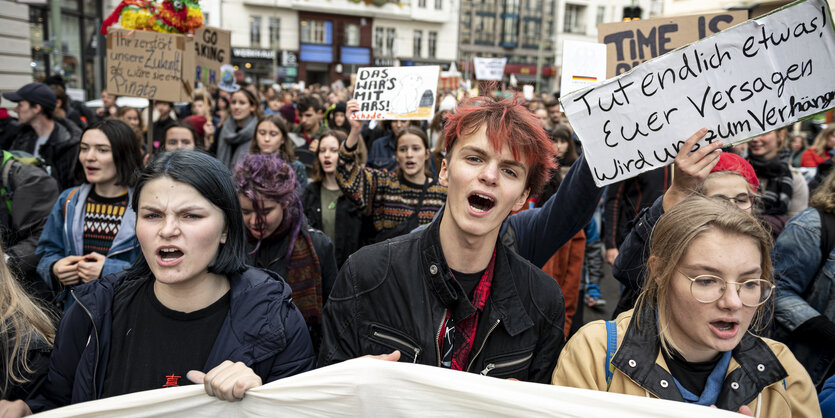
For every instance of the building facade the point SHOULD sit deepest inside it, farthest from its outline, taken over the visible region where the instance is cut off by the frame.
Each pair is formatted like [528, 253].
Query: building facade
[521, 30]
[325, 41]
[15, 51]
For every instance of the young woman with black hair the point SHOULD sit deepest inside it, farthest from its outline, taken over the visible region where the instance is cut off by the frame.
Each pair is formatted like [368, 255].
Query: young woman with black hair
[188, 311]
[90, 231]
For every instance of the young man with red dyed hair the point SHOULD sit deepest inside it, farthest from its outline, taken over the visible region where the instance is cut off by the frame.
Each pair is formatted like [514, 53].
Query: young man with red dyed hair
[453, 295]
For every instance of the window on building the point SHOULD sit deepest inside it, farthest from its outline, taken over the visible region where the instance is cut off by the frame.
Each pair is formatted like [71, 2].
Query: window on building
[601, 13]
[439, 4]
[391, 41]
[531, 33]
[509, 31]
[485, 28]
[379, 41]
[574, 19]
[314, 32]
[255, 30]
[533, 6]
[275, 26]
[417, 44]
[352, 34]
[464, 28]
[433, 43]
[421, 3]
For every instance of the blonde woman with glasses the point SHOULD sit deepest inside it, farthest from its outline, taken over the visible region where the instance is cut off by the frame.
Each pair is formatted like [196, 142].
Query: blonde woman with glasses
[690, 337]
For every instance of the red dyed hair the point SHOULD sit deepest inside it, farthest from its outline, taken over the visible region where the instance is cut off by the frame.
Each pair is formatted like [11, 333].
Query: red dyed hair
[508, 123]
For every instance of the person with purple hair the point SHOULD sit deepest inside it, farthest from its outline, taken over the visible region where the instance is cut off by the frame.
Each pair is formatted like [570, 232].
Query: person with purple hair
[279, 238]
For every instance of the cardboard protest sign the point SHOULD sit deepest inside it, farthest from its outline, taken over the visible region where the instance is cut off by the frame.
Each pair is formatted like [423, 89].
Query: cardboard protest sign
[741, 83]
[583, 64]
[150, 64]
[396, 92]
[212, 49]
[631, 43]
[489, 68]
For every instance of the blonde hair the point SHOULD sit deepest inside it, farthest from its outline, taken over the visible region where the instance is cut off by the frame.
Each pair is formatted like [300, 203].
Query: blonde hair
[22, 323]
[820, 141]
[824, 196]
[672, 237]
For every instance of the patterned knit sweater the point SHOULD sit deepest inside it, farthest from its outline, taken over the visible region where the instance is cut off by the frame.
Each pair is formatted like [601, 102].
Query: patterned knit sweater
[385, 196]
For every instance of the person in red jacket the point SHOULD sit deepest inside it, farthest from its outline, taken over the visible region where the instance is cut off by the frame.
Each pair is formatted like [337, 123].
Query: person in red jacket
[819, 151]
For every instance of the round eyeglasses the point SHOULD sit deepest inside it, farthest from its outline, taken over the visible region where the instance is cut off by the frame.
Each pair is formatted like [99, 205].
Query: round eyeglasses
[743, 201]
[707, 288]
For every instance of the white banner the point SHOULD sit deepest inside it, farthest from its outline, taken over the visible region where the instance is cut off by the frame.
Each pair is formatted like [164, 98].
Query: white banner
[367, 387]
[740, 83]
[489, 68]
[396, 92]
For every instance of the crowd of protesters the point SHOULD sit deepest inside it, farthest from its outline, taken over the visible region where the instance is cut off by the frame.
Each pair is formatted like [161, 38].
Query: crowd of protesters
[250, 235]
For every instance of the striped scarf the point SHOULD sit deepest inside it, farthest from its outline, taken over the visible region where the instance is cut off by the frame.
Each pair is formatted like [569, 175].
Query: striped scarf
[304, 275]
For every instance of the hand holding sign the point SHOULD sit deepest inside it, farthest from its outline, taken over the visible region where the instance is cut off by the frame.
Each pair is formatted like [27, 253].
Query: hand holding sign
[692, 166]
[351, 108]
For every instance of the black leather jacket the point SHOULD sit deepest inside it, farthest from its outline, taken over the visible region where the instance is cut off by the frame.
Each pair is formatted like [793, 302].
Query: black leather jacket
[395, 295]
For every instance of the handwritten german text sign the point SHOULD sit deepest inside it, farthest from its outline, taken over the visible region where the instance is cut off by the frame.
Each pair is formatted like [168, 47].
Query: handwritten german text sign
[148, 64]
[740, 83]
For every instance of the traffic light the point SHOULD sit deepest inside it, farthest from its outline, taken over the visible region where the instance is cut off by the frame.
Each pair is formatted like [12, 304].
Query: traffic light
[631, 13]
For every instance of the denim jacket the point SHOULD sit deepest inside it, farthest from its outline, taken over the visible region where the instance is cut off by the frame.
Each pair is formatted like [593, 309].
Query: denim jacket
[63, 235]
[803, 290]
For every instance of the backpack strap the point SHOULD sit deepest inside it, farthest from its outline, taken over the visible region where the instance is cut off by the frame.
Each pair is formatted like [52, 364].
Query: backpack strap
[69, 197]
[7, 189]
[827, 235]
[611, 347]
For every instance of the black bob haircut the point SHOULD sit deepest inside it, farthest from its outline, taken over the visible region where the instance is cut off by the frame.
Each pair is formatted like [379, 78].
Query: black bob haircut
[214, 182]
[124, 146]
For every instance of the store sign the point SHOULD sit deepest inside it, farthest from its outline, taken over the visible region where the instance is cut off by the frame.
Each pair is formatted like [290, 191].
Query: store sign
[253, 54]
[384, 62]
[150, 65]
[289, 58]
[211, 49]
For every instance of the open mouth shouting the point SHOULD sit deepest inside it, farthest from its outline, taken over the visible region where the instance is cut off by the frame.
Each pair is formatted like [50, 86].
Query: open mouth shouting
[169, 256]
[725, 328]
[480, 203]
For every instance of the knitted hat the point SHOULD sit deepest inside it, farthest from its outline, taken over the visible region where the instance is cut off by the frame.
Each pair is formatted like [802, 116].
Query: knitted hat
[729, 161]
[339, 107]
[288, 112]
[196, 122]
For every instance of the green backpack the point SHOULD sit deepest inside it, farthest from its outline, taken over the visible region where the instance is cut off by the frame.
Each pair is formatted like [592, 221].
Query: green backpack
[6, 188]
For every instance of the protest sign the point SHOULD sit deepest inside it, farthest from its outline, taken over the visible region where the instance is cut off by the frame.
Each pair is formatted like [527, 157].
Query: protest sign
[489, 68]
[583, 64]
[631, 43]
[367, 387]
[212, 49]
[396, 92]
[149, 64]
[741, 83]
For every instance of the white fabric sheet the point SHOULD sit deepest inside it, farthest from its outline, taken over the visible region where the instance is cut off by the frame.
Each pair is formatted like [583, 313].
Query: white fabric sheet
[367, 387]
